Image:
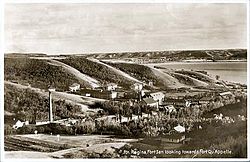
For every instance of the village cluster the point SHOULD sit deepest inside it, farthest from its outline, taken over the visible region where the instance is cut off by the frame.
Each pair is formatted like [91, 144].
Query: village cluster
[160, 103]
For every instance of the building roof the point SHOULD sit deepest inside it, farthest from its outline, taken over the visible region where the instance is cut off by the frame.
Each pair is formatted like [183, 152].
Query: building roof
[157, 93]
[149, 100]
[226, 93]
[137, 84]
[179, 129]
[74, 85]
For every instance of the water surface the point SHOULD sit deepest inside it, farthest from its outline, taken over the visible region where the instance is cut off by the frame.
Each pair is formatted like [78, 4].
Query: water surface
[228, 71]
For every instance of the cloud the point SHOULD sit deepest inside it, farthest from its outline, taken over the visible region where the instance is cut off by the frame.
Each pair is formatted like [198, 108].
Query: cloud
[123, 27]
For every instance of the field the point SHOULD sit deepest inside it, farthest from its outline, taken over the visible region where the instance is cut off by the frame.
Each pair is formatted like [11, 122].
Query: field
[17, 143]
[49, 145]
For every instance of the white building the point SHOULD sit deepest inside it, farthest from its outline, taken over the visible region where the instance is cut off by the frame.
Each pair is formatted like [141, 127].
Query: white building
[158, 96]
[179, 129]
[74, 87]
[170, 108]
[111, 86]
[20, 124]
[137, 86]
[113, 95]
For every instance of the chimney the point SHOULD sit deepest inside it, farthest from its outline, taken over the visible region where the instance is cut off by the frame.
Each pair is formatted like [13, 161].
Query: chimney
[50, 104]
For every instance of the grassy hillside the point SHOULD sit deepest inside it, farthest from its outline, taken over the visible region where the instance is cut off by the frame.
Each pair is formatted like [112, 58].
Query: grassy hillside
[25, 104]
[37, 73]
[96, 70]
[139, 72]
[196, 75]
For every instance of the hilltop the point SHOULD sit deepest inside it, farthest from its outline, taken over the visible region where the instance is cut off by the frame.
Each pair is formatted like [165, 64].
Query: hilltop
[176, 55]
[228, 54]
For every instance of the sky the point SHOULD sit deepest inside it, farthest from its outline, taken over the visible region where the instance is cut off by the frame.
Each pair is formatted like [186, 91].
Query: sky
[100, 28]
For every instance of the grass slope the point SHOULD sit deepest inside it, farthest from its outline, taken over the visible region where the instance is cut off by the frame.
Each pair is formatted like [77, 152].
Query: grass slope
[37, 73]
[96, 70]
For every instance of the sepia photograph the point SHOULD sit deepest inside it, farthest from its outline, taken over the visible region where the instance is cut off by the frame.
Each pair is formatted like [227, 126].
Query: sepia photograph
[125, 80]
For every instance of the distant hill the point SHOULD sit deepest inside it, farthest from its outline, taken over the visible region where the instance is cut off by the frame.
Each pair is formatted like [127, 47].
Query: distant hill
[176, 55]
[37, 73]
[228, 54]
[25, 55]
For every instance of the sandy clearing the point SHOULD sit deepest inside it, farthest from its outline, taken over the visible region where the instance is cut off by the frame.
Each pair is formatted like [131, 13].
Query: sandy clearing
[117, 71]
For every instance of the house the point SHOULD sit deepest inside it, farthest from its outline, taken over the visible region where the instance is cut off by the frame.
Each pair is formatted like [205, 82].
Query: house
[150, 102]
[111, 86]
[169, 108]
[113, 94]
[137, 86]
[20, 124]
[158, 96]
[173, 138]
[179, 129]
[74, 87]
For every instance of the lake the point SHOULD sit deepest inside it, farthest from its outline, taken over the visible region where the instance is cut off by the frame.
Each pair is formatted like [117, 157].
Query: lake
[228, 71]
